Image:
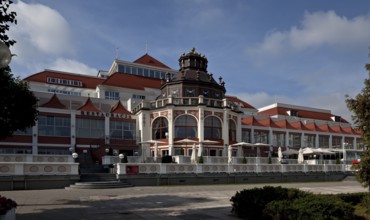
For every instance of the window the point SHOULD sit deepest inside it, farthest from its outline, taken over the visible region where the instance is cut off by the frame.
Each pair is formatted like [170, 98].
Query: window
[336, 142]
[232, 130]
[212, 128]
[111, 95]
[294, 140]
[261, 136]
[186, 127]
[278, 139]
[54, 126]
[160, 128]
[138, 96]
[246, 136]
[89, 128]
[122, 130]
[64, 81]
[28, 131]
[309, 140]
[323, 141]
[56, 91]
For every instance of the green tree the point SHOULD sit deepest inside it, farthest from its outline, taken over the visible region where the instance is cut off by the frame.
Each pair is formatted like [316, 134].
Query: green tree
[17, 104]
[360, 107]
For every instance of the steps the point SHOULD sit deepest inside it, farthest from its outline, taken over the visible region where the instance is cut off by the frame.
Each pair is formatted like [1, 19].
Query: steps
[99, 185]
[98, 181]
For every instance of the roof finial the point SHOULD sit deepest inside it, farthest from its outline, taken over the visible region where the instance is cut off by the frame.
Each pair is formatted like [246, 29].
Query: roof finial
[146, 46]
[117, 48]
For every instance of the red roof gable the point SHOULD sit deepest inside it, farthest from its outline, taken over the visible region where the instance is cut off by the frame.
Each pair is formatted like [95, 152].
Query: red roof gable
[89, 106]
[235, 99]
[87, 81]
[119, 109]
[151, 61]
[54, 102]
[132, 81]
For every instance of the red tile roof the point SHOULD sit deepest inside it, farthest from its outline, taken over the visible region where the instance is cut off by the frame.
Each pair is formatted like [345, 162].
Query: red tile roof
[89, 106]
[87, 81]
[235, 99]
[54, 102]
[151, 61]
[119, 109]
[298, 125]
[132, 81]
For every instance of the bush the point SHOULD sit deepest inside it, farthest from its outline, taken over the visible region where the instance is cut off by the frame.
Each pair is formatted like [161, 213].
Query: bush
[310, 207]
[167, 159]
[249, 204]
[6, 205]
[244, 160]
[200, 159]
[351, 198]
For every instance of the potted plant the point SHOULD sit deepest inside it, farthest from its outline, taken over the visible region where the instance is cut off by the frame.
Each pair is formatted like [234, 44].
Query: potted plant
[7, 208]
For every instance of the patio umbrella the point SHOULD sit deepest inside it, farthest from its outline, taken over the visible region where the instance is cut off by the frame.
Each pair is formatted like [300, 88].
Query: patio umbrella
[260, 145]
[300, 156]
[193, 154]
[240, 145]
[229, 154]
[200, 151]
[186, 141]
[290, 152]
[280, 154]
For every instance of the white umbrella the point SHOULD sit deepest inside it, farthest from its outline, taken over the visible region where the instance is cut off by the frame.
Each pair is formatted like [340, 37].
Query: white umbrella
[290, 152]
[300, 156]
[280, 154]
[243, 144]
[200, 151]
[186, 141]
[193, 155]
[229, 154]
[260, 145]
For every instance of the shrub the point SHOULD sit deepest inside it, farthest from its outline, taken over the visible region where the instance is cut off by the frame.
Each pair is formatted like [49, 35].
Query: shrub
[167, 159]
[6, 205]
[244, 160]
[249, 204]
[200, 160]
[351, 198]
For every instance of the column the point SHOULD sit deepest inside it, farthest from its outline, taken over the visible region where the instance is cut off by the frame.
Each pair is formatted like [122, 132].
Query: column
[73, 130]
[302, 140]
[225, 128]
[106, 130]
[317, 143]
[201, 124]
[35, 149]
[330, 141]
[252, 135]
[286, 139]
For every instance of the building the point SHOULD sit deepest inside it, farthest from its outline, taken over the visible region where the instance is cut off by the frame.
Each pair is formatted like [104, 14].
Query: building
[120, 110]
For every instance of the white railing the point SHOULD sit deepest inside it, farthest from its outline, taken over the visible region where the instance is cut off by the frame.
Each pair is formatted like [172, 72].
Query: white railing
[35, 168]
[35, 158]
[168, 168]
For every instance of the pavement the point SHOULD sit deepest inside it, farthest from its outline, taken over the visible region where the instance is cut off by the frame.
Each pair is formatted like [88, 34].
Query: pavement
[155, 202]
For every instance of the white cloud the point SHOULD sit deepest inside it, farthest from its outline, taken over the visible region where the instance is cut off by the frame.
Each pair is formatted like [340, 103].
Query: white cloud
[44, 40]
[43, 27]
[317, 29]
[72, 66]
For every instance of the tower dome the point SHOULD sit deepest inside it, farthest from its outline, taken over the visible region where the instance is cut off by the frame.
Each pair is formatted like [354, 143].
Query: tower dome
[193, 60]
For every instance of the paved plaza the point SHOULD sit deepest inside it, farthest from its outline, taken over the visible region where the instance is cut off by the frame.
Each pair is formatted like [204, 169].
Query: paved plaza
[164, 202]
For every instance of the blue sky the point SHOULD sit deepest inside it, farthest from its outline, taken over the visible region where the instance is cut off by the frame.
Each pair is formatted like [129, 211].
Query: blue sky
[309, 53]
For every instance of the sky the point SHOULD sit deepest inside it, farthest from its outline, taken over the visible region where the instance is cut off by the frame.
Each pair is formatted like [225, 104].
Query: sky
[308, 53]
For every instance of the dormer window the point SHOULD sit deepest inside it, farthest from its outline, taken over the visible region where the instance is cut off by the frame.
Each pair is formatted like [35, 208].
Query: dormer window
[293, 113]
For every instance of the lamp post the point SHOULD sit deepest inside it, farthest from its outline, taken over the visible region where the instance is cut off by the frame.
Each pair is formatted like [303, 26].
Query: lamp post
[121, 157]
[75, 156]
[5, 55]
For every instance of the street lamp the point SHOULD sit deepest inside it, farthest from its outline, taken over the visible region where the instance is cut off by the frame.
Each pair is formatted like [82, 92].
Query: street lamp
[121, 157]
[5, 55]
[106, 151]
[75, 156]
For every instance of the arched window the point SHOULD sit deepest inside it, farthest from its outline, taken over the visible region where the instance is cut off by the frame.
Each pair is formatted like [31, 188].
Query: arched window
[186, 127]
[160, 128]
[232, 130]
[212, 128]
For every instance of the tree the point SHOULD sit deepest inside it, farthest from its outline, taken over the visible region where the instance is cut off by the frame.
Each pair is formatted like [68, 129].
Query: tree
[360, 107]
[18, 105]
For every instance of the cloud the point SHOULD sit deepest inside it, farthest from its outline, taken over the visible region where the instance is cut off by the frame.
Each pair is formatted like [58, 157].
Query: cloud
[73, 66]
[44, 39]
[317, 29]
[43, 27]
